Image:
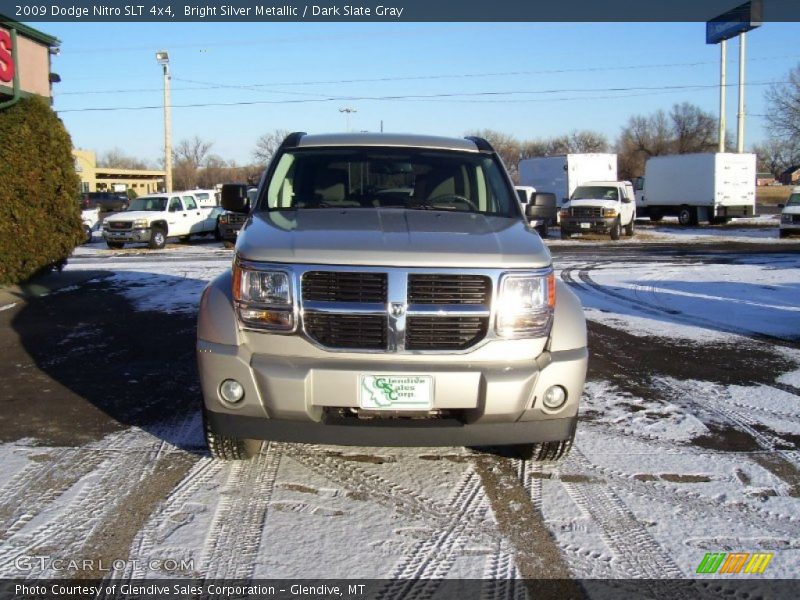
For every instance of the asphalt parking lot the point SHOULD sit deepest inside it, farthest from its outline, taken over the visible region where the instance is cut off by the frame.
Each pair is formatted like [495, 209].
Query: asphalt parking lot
[689, 440]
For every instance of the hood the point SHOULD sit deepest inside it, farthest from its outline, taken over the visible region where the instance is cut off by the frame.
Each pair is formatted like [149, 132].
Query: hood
[791, 210]
[132, 215]
[593, 202]
[396, 237]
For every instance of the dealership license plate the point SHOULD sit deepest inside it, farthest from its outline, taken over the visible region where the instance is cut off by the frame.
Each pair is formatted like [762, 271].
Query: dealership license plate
[586, 225]
[396, 392]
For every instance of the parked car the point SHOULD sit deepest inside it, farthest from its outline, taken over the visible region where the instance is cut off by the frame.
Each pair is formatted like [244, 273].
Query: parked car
[105, 201]
[90, 218]
[230, 223]
[790, 215]
[357, 316]
[540, 209]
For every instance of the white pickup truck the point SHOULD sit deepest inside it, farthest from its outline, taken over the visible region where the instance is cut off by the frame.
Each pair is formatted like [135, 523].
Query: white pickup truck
[600, 207]
[152, 219]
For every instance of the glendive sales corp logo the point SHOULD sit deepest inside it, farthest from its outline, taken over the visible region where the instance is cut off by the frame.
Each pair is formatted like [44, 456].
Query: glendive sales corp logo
[734, 563]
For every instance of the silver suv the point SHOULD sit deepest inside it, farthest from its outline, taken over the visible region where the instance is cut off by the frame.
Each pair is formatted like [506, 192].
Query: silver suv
[387, 291]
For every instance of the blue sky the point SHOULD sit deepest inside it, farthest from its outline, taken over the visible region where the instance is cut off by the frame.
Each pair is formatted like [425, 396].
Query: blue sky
[113, 65]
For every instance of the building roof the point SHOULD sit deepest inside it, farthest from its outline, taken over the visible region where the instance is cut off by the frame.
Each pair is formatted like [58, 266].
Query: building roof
[29, 32]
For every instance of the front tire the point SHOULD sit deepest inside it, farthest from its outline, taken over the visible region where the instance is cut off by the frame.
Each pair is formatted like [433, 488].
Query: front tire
[225, 447]
[545, 453]
[616, 230]
[630, 228]
[158, 238]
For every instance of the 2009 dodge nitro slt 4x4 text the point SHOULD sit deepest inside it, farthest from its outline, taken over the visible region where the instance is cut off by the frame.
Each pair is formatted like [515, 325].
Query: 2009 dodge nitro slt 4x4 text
[386, 291]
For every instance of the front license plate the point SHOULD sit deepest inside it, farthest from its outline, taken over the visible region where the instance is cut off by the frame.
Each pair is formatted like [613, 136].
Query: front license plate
[586, 225]
[396, 392]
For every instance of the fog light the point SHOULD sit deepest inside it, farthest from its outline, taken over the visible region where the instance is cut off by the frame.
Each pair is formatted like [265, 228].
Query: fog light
[231, 391]
[554, 397]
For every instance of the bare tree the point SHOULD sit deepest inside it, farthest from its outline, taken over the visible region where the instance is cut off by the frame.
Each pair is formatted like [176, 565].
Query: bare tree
[188, 157]
[783, 111]
[774, 156]
[694, 129]
[686, 129]
[117, 159]
[267, 144]
[575, 142]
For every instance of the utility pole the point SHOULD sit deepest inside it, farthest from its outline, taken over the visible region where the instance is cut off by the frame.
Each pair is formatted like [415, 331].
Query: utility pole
[723, 81]
[162, 57]
[740, 115]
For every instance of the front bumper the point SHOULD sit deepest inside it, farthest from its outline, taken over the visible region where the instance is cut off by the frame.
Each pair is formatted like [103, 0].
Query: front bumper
[306, 399]
[441, 432]
[587, 224]
[128, 235]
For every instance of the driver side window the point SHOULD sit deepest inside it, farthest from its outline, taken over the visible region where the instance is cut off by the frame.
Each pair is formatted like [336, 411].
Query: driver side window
[175, 205]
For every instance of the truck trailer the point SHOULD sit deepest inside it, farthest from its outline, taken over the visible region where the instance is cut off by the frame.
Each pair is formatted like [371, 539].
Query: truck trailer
[713, 187]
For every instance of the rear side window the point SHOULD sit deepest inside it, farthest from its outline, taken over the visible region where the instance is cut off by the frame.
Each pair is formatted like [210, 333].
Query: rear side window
[189, 202]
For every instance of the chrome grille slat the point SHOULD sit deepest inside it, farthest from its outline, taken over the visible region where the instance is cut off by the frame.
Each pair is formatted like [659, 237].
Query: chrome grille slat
[343, 286]
[448, 289]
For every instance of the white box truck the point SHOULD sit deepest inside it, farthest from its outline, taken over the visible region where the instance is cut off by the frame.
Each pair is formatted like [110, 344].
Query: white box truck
[560, 175]
[714, 187]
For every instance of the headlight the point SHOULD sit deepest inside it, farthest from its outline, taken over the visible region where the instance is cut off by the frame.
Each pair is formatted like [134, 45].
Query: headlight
[263, 298]
[525, 304]
[140, 224]
[609, 212]
[224, 218]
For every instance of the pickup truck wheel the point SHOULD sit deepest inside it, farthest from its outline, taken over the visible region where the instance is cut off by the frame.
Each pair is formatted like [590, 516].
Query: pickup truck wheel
[115, 245]
[616, 230]
[158, 238]
[545, 453]
[224, 447]
[217, 232]
[87, 231]
[629, 228]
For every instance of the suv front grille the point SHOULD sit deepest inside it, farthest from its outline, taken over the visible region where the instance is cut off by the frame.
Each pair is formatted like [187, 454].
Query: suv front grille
[587, 211]
[119, 225]
[449, 289]
[395, 311]
[445, 333]
[335, 286]
[366, 332]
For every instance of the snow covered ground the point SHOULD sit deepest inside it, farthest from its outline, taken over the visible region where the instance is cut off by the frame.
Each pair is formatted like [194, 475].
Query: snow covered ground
[642, 494]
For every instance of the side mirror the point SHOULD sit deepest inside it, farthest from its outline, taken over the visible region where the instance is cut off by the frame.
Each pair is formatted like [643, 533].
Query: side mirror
[234, 198]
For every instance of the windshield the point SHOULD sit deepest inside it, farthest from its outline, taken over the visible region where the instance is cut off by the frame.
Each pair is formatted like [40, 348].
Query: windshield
[375, 178]
[595, 192]
[148, 203]
[794, 200]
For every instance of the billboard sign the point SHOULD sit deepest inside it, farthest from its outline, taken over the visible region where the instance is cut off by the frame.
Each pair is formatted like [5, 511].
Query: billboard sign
[743, 18]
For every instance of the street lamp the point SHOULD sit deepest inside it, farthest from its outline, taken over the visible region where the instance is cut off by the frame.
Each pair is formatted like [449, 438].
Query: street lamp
[162, 58]
[347, 112]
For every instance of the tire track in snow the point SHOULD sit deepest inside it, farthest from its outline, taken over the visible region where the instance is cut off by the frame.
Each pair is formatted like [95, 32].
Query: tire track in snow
[432, 558]
[171, 516]
[41, 483]
[128, 460]
[232, 544]
[637, 553]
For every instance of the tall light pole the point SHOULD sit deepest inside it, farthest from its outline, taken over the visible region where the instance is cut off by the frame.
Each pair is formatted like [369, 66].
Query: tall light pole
[162, 58]
[740, 115]
[347, 112]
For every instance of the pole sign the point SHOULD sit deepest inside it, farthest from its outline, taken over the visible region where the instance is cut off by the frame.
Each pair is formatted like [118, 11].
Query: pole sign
[743, 18]
[6, 57]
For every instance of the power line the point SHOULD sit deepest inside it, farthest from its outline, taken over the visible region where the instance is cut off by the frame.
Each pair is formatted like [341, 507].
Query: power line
[258, 86]
[419, 97]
